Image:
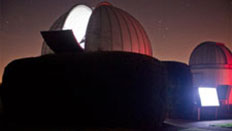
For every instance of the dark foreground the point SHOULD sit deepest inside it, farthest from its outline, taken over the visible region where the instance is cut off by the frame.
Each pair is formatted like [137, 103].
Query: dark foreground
[168, 125]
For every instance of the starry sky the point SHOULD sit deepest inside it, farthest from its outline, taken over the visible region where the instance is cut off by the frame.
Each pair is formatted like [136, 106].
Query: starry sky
[175, 27]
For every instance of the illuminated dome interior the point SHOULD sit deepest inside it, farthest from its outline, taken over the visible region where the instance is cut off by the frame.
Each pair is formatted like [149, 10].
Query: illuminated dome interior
[77, 21]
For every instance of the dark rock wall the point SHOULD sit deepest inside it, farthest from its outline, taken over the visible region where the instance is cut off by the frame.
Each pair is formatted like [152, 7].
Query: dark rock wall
[101, 89]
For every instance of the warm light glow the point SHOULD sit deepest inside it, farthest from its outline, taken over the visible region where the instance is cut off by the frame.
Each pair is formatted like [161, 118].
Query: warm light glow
[208, 96]
[77, 21]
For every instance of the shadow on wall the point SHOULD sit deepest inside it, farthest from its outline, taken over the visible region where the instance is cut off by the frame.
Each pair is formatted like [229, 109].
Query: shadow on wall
[180, 91]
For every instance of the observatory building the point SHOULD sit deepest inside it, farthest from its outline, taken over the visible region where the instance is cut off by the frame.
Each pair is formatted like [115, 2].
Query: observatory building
[105, 28]
[211, 66]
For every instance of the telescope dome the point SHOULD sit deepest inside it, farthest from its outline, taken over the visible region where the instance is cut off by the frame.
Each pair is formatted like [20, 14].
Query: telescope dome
[210, 53]
[106, 28]
[112, 29]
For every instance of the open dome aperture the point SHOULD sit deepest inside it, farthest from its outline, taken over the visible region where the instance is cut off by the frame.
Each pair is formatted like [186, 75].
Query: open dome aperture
[76, 19]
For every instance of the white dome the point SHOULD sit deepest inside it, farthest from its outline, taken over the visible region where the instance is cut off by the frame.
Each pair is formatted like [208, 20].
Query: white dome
[108, 28]
[112, 29]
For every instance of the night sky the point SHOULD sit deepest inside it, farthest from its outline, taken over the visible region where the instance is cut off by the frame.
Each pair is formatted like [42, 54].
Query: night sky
[175, 27]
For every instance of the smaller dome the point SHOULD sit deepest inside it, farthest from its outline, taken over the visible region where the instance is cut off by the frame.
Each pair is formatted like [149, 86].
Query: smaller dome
[211, 53]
